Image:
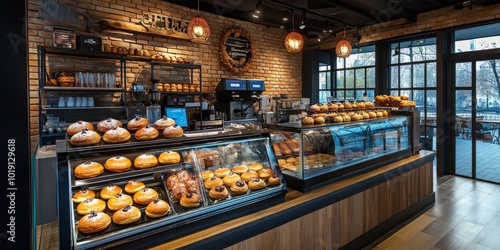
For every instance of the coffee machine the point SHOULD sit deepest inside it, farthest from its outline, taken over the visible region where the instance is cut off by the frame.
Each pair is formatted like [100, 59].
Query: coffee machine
[236, 97]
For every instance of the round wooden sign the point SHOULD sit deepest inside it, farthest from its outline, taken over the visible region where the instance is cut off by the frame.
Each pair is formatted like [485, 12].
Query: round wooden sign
[236, 50]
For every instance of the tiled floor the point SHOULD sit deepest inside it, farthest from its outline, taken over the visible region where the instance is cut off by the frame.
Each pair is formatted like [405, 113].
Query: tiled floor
[487, 159]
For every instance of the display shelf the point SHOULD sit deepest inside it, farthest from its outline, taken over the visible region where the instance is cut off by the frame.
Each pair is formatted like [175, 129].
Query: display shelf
[81, 89]
[83, 108]
[80, 53]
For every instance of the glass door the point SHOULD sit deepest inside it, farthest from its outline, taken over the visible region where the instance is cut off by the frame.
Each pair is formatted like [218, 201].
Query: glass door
[477, 119]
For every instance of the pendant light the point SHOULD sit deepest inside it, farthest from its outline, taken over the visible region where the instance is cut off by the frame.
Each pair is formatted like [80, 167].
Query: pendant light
[343, 48]
[198, 29]
[294, 42]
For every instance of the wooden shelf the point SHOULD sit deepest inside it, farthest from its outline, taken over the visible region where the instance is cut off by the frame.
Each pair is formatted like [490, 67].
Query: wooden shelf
[82, 89]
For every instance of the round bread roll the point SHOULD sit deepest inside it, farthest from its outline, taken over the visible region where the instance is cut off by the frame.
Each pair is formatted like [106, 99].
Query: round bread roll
[78, 127]
[164, 123]
[133, 186]
[218, 193]
[146, 133]
[256, 184]
[230, 179]
[239, 169]
[348, 105]
[137, 123]
[88, 169]
[221, 172]
[157, 208]
[314, 108]
[249, 175]
[173, 131]
[379, 114]
[308, 121]
[85, 138]
[119, 201]
[346, 118]
[265, 173]
[110, 191]
[212, 182]
[332, 107]
[239, 187]
[372, 114]
[274, 180]
[205, 174]
[338, 118]
[93, 222]
[355, 117]
[145, 196]
[83, 194]
[319, 120]
[190, 200]
[90, 204]
[116, 135]
[108, 124]
[360, 105]
[323, 108]
[127, 215]
[385, 113]
[169, 157]
[366, 115]
[145, 161]
[256, 166]
[118, 164]
[340, 106]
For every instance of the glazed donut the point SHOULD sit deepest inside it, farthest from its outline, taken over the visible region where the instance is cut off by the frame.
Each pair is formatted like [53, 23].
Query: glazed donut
[256, 166]
[109, 191]
[169, 157]
[230, 179]
[108, 124]
[116, 135]
[190, 200]
[239, 169]
[212, 182]
[119, 201]
[126, 215]
[173, 131]
[145, 161]
[221, 172]
[256, 183]
[146, 133]
[90, 204]
[239, 187]
[133, 187]
[164, 123]
[85, 138]
[137, 123]
[157, 208]
[145, 196]
[249, 175]
[218, 193]
[265, 173]
[274, 180]
[83, 194]
[118, 164]
[78, 127]
[88, 169]
[93, 222]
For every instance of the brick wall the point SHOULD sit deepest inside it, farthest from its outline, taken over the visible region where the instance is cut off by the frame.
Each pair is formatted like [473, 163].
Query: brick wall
[281, 71]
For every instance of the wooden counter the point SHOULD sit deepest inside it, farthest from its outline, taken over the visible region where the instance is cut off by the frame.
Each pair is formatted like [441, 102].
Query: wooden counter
[347, 214]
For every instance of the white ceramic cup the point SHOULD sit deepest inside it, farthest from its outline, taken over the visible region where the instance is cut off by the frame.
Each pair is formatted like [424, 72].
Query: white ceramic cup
[70, 102]
[90, 101]
[78, 101]
[84, 101]
[62, 102]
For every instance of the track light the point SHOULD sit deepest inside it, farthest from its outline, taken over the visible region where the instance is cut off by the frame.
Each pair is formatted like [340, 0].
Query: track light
[258, 10]
[303, 24]
[319, 39]
[329, 27]
[286, 15]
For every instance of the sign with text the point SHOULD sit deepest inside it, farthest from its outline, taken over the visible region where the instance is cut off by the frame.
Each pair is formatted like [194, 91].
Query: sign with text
[237, 50]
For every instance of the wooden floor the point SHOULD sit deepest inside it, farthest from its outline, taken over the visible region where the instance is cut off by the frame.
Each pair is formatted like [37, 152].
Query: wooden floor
[466, 215]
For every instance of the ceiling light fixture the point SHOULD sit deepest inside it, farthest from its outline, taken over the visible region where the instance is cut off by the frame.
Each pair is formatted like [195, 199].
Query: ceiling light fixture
[286, 15]
[303, 24]
[343, 48]
[198, 29]
[258, 9]
[294, 42]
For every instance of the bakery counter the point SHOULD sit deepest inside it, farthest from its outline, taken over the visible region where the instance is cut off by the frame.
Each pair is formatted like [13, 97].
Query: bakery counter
[314, 155]
[348, 214]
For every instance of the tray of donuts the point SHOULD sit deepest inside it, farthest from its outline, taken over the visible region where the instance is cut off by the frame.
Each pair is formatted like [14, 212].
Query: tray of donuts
[104, 168]
[102, 209]
[112, 131]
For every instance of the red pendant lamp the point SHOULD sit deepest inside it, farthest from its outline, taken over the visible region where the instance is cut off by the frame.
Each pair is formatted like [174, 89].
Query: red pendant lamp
[294, 42]
[198, 29]
[343, 48]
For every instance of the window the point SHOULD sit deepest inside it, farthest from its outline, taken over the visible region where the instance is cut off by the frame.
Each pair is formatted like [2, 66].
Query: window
[325, 85]
[355, 75]
[477, 38]
[412, 73]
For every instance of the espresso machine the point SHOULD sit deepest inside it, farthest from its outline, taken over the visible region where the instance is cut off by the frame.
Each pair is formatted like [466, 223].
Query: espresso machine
[236, 97]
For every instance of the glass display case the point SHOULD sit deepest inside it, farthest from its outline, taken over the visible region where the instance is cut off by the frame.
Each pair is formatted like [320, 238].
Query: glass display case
[314, 155]
[181, 178]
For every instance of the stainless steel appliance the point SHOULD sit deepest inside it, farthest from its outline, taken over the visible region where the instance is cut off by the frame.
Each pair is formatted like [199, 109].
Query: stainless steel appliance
[237, 97]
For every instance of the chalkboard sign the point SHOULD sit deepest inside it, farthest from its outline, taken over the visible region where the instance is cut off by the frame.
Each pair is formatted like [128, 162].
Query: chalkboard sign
[237, 50]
